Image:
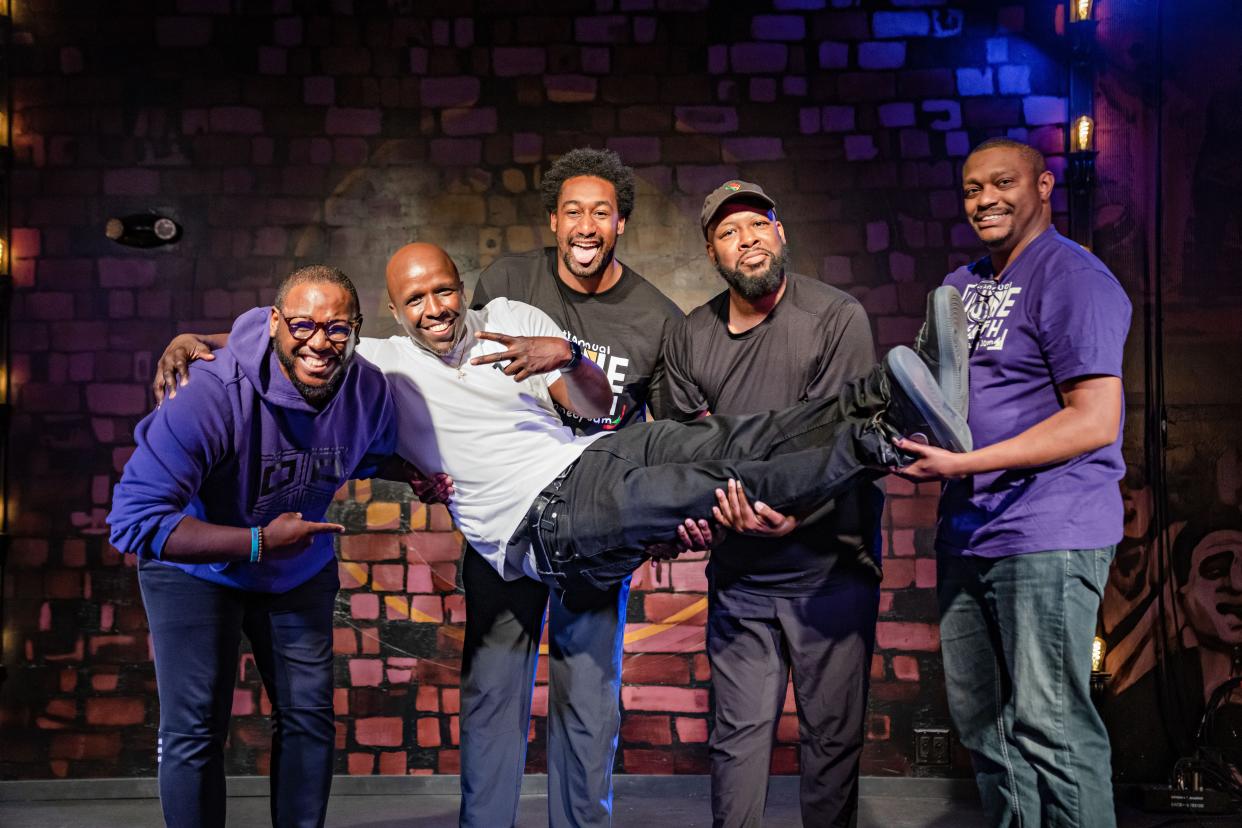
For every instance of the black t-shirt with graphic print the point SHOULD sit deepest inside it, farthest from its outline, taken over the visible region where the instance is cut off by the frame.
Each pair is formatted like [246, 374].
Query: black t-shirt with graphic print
[621, 329]
[815, 340]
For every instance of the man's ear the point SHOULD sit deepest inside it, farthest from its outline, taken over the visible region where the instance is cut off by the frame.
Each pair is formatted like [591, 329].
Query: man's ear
[552, 222]
[780, 231]
[1045, 183]
[620, 227]
[273, 322]
[711, 253]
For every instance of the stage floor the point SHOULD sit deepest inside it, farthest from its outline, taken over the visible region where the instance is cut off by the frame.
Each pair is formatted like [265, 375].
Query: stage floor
[641, 802]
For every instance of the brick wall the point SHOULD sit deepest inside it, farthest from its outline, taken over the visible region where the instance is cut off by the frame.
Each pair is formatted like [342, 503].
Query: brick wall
[277, 139]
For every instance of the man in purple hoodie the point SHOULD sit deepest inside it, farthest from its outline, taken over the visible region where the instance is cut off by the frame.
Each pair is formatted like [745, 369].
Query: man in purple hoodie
[222, 501]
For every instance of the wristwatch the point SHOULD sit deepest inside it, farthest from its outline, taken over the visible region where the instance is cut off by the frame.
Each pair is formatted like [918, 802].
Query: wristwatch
[575, 357]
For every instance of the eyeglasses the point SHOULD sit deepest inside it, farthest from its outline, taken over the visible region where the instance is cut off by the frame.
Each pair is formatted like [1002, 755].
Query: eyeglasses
[303, 328]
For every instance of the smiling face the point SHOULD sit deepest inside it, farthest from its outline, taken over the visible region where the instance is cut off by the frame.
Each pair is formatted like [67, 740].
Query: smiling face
[586, 224]
[1007, 201]
[747, 245]
[1213, 590]
[425, 296]
[315, 366]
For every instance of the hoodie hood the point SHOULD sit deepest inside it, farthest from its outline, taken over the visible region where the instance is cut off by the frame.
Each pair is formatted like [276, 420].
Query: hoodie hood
[251, 345]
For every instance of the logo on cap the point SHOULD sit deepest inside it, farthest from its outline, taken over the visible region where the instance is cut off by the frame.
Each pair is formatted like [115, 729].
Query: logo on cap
[732, 186]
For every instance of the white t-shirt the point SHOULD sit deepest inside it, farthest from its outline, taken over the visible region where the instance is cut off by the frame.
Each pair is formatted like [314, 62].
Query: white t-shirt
[501, 441]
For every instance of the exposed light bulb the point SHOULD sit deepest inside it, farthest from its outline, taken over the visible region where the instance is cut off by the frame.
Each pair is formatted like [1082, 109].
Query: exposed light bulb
[1083, 135]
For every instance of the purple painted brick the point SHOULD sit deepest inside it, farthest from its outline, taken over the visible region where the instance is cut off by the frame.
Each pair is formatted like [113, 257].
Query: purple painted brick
[596, 60]
[1014, 79]
[126, 273]
[48, 305]
[352, 121]
[752, 149]
[473, 121]
[636, 150]
[319, 90]
[915, 143]
[236, 119]
[273, 61]
[287, 31]
[709, 119]
[766, 58]
[961, 235]
[717, 59]
[900, 24]
[809, 120]
[763, 90]
[901, 267]
[778, 27]
[182, 32]
[131, 182]
[838, 118]
[698, 179]
[1017, 134]
[120, 304]
[949, 113]
[511, 61]
[645, 29]
[881, 54]
[860, 148]
[833, 55]
[456, 152]
[877, 236]
[837, 270]
[794, 85]
[998, 49]
[896, 114]
[944, 204]
[974, 81]
[418, 61]
[957, 143]
[116, 399]
[610, 28]
[1045, 109]
[527, 147]
[947, 23]
[459, 90]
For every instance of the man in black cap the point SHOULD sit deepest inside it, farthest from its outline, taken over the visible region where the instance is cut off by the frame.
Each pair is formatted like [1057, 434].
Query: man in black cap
[788, 596]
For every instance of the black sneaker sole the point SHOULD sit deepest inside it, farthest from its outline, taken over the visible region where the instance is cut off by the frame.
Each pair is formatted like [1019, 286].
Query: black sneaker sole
[948, 323]
[938, 423]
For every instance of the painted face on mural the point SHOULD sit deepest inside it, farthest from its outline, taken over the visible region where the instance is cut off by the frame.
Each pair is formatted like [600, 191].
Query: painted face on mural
[1006, 202]
[586, 224]
[1213, 590]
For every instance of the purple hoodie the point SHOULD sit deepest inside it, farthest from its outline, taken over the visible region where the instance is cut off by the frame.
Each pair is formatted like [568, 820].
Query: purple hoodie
[239, 445]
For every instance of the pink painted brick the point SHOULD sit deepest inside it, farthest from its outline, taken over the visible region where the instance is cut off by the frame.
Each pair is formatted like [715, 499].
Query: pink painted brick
[906, 668]
[387, 577]
[131, 182]
[243, 702]
[418, 579]
[664, 699]
[429, 605]
[366, 672]
[925, 573]
[907, 635]
[898, 573]
[352, 121]
[24, 242]
[511, 61]
[379, 731]
[902, 545]
[691, 731]
[459, 90]
[364, 605]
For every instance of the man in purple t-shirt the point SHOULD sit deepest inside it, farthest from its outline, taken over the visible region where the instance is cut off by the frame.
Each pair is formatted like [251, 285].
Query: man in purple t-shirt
[1029, 520]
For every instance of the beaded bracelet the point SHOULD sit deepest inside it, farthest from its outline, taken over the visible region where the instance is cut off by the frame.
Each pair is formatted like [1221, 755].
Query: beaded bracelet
[256, 544]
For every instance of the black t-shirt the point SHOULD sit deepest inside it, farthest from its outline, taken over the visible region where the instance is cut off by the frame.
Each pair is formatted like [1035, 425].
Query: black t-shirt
[815, 340]
[620, 329]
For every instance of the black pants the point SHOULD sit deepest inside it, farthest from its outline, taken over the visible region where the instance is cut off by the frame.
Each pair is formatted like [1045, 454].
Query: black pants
[634, 488]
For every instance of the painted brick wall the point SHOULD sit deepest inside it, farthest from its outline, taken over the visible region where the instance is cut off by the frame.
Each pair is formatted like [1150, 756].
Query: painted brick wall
[278, 138]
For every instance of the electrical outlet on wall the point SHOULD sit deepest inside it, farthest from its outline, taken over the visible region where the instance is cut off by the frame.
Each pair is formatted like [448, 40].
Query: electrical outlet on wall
[932, 745]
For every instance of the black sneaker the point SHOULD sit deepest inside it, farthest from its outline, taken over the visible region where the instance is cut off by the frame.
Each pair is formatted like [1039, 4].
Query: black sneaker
[942, 344]
[917, 408]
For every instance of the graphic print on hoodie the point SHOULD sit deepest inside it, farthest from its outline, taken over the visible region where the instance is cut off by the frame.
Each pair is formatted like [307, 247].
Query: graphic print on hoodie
[239, 445]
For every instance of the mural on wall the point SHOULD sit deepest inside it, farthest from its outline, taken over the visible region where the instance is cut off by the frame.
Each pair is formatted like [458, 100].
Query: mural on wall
[1172, 612]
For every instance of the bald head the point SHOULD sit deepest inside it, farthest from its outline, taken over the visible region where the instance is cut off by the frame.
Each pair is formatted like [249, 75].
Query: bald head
[425, 295]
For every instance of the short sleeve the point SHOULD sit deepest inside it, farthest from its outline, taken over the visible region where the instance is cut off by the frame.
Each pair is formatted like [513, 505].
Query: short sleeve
[1084, 317]
[847, 352]
[681, 397]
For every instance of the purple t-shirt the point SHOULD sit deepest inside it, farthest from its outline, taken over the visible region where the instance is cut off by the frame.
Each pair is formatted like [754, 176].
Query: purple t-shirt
[1057, 314]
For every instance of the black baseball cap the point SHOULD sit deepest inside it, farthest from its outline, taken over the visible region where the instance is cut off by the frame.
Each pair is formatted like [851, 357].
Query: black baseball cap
[727, 192]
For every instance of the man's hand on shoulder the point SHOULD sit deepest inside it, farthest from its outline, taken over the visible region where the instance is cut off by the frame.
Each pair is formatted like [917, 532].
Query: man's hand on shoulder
[173, 368]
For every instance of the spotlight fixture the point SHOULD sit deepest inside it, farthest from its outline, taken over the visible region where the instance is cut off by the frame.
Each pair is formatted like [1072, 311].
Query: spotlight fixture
[143, 230]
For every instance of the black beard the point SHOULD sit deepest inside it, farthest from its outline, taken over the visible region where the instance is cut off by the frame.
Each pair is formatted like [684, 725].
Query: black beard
[317, 395]
[760, 285]
[571, 264]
